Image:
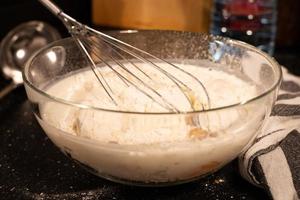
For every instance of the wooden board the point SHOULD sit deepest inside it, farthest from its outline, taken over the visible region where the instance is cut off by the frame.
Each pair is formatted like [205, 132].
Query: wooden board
[188, 15]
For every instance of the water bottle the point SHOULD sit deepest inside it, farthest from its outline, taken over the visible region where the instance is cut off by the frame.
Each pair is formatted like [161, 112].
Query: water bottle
[252, 21]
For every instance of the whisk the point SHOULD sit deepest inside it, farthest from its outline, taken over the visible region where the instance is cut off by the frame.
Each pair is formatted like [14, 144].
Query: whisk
[90, 41]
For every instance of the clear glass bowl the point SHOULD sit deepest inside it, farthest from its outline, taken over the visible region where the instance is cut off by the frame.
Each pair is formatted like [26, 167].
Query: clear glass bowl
[158, 163]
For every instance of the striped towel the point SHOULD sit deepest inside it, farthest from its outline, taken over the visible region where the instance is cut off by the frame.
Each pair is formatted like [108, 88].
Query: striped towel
[273, 161]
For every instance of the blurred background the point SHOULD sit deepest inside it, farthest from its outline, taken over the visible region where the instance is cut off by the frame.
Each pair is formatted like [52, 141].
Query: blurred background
[247, 20]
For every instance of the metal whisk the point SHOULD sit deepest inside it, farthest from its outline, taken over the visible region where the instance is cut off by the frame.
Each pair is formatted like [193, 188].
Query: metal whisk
[120, 55]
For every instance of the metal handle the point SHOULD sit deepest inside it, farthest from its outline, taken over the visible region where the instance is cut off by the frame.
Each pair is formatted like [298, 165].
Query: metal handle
[51, 6]
[7, 89]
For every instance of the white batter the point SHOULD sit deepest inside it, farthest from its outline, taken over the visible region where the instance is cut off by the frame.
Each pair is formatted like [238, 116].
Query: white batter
[151, 147]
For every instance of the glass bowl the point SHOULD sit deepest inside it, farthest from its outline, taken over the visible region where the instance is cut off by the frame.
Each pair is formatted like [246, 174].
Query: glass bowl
[229, 129]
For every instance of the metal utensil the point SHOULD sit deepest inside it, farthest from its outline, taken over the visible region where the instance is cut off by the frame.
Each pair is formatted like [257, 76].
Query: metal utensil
[19, 45]
[91, 41]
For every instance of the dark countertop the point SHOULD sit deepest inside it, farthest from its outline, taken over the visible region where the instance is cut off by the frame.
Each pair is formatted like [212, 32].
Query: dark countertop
[31, 167]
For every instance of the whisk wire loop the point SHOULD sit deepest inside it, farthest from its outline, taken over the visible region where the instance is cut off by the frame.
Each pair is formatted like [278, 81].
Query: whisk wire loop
[153, 94]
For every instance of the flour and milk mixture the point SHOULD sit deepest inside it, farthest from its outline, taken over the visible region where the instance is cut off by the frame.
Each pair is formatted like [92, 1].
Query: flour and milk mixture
[152, 147]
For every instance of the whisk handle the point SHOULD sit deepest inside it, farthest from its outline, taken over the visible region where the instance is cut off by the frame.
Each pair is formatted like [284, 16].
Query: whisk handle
[51, 6]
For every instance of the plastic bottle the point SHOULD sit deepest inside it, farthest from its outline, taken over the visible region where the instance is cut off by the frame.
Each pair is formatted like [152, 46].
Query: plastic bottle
[252, 21]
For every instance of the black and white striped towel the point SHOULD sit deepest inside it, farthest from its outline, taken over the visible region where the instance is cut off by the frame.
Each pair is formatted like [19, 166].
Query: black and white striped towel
[273, 161]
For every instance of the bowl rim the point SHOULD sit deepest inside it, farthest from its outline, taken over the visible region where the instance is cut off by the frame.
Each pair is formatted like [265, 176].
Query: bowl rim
[238, 43]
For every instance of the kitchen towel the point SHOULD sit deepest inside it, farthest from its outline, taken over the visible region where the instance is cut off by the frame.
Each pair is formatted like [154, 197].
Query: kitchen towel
[273, 161]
